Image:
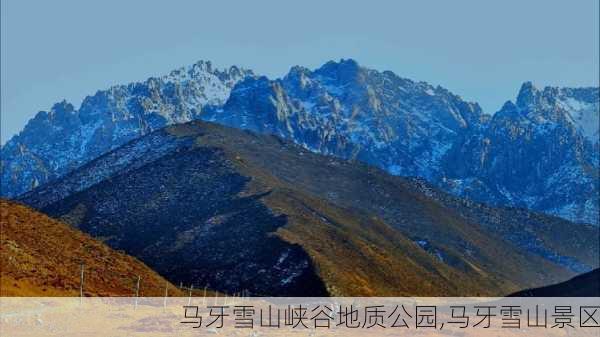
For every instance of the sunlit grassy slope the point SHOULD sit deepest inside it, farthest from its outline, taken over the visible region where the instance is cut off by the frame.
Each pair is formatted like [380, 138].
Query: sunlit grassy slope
[42, 257]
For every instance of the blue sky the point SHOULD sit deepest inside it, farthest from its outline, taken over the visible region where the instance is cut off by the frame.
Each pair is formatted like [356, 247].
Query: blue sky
[481, 50]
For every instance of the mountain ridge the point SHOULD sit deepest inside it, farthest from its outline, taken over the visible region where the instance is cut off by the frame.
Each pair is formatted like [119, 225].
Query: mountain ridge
[584, 285]
[357, 232]
[405, 127]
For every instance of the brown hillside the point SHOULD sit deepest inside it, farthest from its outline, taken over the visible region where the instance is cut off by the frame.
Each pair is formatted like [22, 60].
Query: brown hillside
[236, 211]
[41, 257]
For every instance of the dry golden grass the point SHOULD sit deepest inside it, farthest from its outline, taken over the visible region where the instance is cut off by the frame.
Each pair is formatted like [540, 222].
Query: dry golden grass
[42, 257]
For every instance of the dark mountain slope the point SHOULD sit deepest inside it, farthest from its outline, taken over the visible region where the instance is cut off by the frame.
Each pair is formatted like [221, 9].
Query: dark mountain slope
[235, 210]
[585, 285]
[551, 237]
[183, 215]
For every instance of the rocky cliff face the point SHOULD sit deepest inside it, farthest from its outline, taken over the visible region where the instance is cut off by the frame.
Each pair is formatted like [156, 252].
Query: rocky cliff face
[349, 111]
[57, 141]
[539, 153]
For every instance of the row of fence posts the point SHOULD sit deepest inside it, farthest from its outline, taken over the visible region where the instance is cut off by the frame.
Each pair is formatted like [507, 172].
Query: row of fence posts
[243, 295]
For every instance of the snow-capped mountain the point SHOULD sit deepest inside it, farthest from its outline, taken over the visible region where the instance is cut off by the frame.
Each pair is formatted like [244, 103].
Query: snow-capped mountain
[349, 111]
[540, 152]
[57, 141]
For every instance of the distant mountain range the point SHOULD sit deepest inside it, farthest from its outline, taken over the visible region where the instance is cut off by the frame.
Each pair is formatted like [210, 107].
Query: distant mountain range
[539, 153]
[239, 211]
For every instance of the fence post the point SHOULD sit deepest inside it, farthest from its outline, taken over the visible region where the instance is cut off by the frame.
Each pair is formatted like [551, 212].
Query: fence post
[137, 290]
[166, 294]
[190, 298]
[81, 279]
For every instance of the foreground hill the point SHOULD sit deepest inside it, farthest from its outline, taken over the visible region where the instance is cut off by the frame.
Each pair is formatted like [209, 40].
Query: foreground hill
[239, 211]
[42, 257]
[585, 285]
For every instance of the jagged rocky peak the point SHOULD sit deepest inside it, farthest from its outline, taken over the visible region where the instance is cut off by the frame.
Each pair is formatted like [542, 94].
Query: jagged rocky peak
[339, 79]
[415, 129]
[578, 107]
[297, 71]
[538, 105]
[62, 107]
[540, 152]
[509, 111]
[58, 110]
[348, 110]
[531, 96]
[62, 115]
[54, 142]
[299, 75]
[325, 79]
[344, 71]
[527, 95]
[203, 68]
